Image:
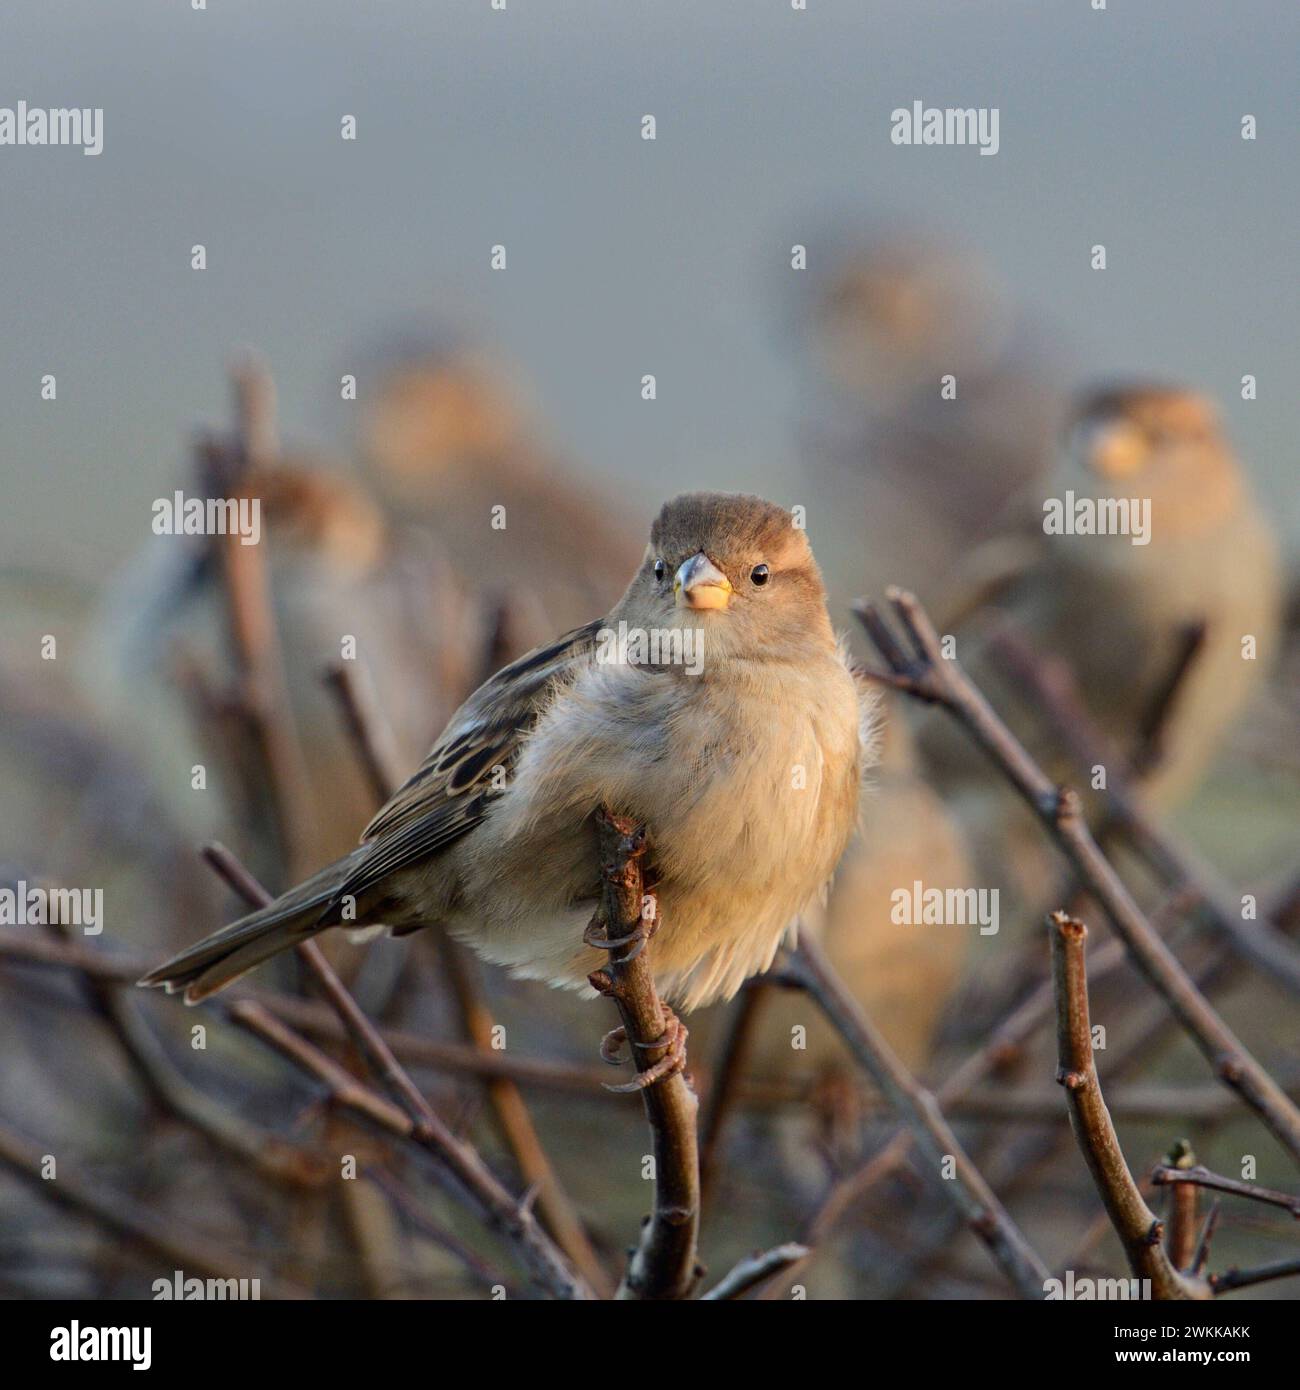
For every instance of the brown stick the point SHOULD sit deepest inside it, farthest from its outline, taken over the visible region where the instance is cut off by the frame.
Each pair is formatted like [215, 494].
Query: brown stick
[513, 1219]
[930, 676]
[1195, 1176]
[1135, 1223]
[315, 1019]
[368, 733]
[1183, 1203]
[1243, 1278]
[171, 1092]
[756, 1270]
[117, 1213]
[920, 1111]
[726, 1084]
[663, 1265]
[1260, 942]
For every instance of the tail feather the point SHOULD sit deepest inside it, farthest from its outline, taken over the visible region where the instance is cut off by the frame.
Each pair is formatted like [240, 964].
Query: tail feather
[220, 959]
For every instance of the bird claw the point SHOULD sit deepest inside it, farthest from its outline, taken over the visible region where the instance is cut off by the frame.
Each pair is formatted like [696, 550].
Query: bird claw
[637, 938]
[673, 1039]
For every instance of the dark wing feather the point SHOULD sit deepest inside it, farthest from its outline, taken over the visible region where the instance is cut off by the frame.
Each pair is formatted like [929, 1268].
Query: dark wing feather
[450, 792]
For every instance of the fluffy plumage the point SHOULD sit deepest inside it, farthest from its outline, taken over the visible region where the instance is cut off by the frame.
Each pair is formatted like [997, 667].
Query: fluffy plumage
[745, 766]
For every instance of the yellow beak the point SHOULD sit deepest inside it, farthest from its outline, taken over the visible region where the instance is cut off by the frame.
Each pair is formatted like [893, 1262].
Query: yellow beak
[699, 583]
[1116, 450]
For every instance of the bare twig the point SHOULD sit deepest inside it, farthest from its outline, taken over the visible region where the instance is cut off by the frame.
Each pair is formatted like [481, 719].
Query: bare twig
[1259, 941]
[513, 1219]
[317, 1020]
[1135, 1223]
[1244, 1278]
[663, 1265]
[965, 1186]
[1182, 1210]
[1195, 1176]
[726, 1083]
[186, 1250]
[756, 1270]
[370, 735]
[935, 678]
[1202, 1253]
[171, 1092]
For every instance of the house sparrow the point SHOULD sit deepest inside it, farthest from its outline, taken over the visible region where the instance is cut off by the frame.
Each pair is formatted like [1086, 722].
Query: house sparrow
[1118, 611]
[745, 765]
[936, 407]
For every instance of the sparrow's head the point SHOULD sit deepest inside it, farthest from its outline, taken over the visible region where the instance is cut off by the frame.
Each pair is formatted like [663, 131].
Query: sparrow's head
[736, 566]
[1161, 442]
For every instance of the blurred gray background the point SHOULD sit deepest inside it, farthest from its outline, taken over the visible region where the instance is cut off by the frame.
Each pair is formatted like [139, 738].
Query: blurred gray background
[475, 126]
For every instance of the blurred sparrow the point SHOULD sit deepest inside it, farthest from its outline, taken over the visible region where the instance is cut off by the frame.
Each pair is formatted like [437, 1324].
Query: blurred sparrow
[1118, 611]
[745, 764]
[944, 407]
[452, 450]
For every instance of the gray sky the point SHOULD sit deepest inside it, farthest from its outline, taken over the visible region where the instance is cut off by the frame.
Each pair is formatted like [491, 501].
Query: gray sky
[474, 127]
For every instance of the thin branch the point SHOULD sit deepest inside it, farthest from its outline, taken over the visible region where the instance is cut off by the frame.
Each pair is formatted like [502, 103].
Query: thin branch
[1183, 1203]
[1054, 687]
[756, 1270]
[117, 1213]
[1244, 1278]
[663, 1265]
[1197, 1176]
[1135, 1223]
[942, 681]
[1202, 1253]
[918, 1109]
[370, 734]
[317, 1020]
[173, 1093]
[727, 1081]
[545, 1261]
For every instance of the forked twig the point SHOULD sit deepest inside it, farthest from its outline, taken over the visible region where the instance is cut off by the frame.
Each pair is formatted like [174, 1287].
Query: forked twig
[1137, 1226]
[919, 1110]
[931, 676]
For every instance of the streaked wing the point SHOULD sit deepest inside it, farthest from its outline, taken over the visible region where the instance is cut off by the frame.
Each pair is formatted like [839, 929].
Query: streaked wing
[450, 792]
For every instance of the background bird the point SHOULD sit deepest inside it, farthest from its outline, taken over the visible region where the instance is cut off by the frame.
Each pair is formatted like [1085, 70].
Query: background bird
[450, 445]
[903, 974]
[746, 772]
[1118, 613]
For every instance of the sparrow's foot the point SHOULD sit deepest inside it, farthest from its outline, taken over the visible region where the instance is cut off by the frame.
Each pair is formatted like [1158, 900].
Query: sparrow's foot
[673, 1038]
[637, 938]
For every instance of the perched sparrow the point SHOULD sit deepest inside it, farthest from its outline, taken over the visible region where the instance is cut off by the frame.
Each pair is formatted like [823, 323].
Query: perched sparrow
[743, 756]
[1118, 612]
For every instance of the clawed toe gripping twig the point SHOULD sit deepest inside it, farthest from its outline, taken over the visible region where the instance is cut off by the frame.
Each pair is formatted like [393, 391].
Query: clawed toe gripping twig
[672, 1040]
[663, 1263]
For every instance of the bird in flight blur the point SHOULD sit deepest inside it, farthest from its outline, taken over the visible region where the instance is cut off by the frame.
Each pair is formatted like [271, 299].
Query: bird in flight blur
[744, 763]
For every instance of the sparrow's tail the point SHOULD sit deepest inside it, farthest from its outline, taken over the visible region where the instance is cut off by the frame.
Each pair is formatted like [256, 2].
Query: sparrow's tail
[219, 959]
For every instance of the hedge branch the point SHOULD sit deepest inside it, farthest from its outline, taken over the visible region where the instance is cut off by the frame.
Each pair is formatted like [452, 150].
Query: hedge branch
[919, 1110]
[1137, 1226]
[928, 675]
[513, 1219]
[663, 1264]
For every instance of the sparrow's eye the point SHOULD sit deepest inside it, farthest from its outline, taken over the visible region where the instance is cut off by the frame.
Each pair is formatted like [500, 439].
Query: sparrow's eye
[758, 575]
[660, 567]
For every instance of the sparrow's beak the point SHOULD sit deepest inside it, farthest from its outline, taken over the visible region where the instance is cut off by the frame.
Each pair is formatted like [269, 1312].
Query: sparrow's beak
[701, 584]
[1115, 449]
